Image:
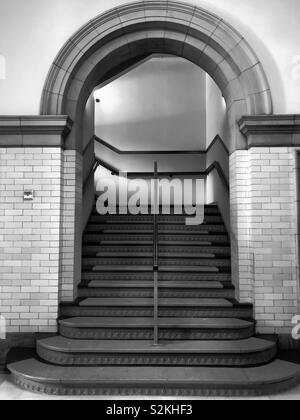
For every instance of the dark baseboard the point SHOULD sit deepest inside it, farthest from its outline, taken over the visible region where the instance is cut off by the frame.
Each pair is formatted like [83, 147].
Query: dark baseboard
[13, 340]
[286, 342]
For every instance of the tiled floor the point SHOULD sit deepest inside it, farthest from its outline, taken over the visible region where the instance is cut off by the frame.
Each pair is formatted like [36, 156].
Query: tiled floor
[8, 391]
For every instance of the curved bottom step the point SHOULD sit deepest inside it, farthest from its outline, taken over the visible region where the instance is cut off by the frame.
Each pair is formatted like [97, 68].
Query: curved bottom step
[170, 329]
[33, 375]
[250, 352]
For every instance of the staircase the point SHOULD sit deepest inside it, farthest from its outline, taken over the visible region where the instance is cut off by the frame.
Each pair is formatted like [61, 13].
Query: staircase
[207, 343]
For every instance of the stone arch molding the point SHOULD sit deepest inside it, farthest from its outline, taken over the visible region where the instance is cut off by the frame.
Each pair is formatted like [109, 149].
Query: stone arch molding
[133, 31]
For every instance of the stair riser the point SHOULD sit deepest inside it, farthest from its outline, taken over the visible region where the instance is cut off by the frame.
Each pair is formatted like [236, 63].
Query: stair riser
[122, 388]
[91, 262]
[182, 252]
[185, 286]
[144, 293]
[147, 333]
[184, 277]
[211, 221]
[178, 229]
[140, 359]
[75, 311]
[208, 211]
[139, 254]
[125, 239]
[162, 249]
[149, 219]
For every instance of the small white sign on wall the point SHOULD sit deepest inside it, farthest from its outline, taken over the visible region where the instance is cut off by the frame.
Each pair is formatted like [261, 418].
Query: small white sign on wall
[28, 195]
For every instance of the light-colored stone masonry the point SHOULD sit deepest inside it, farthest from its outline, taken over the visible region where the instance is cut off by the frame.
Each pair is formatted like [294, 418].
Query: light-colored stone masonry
[274, 237]
[240, 208]
[71, 220]
[264, 216]
[39, 264]
[30, 237]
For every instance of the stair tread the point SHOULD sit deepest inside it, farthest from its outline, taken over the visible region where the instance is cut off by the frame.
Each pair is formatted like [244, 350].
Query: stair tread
[129, 222]
[183, 230]
[128, 322]
[180, 302]
[162, 249]
[192, 243]
[62, 344]
[139, 260]
[163, 227]
[150, 231]
[186, 269]
[163, 212]
[149, 284]
[147, 217]
[130, 268]
[138, 254]
[150, 242]
[182, 277]
[187, 238]
[276, 372]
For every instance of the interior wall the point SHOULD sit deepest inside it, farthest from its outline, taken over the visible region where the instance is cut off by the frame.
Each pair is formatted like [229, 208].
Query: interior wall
[88, 121]
[217, 125]
[216, 113]
[145, 162]
[159, 105]
[88, 133]
[216, 193]
[213, 117]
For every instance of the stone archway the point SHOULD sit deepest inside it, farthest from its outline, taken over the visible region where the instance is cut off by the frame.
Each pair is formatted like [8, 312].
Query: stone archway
[125, 34]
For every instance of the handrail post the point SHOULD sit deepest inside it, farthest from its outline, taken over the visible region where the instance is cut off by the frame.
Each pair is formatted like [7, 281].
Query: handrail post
[155, 253]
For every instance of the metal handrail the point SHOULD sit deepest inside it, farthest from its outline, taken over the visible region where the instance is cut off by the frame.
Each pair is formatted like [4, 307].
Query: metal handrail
[105, 165]
[155, 253]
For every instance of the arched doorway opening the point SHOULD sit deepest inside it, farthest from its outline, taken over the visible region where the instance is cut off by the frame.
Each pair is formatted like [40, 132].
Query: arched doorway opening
[116, 40]
[113, 41]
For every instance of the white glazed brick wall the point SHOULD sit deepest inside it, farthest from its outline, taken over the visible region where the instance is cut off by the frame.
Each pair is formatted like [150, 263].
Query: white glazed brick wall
[71, 219]
[30, 238]
[264, 205]
[242, 257]
[274, 237]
